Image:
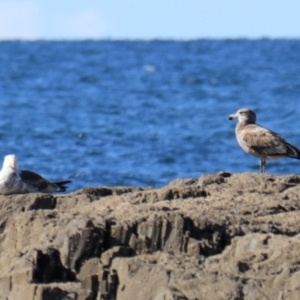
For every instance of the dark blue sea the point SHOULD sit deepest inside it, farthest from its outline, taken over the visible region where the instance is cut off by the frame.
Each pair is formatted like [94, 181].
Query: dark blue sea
[142, 113]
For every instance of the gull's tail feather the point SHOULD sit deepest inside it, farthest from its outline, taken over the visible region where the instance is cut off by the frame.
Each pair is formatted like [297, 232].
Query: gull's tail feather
[292, 151]
[62, 185]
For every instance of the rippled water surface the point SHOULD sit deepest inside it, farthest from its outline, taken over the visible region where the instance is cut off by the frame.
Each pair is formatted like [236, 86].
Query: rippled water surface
[143, 112]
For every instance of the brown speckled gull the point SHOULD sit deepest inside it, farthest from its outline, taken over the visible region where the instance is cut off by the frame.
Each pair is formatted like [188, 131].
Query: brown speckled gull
[260, 142]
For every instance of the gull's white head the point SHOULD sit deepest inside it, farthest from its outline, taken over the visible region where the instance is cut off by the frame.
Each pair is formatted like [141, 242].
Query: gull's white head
[10, 161]
[244, 115]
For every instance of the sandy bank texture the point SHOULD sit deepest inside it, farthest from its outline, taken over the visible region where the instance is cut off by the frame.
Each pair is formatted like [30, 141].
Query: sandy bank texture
[220, 237]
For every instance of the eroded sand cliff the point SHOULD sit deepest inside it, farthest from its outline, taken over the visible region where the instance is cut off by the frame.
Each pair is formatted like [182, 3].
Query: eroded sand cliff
[224, 236]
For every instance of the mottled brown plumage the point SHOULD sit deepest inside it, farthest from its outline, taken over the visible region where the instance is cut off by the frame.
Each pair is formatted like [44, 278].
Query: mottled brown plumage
[260, 142]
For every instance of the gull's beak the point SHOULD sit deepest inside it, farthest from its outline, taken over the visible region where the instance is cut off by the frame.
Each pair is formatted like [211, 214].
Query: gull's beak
[232, 117]
[13, 164]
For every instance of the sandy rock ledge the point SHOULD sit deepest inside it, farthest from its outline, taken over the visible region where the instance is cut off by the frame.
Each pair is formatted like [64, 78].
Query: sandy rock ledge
[224, 236]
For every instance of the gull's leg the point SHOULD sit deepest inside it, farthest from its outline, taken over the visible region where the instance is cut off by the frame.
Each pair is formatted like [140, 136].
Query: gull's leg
[262, 166]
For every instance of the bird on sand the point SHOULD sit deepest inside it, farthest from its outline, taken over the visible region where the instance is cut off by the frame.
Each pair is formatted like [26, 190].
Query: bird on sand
[259, 141]
[14, 181]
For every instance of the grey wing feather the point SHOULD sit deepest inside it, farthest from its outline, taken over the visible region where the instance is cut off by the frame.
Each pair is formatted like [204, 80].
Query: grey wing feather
[41, 184]
[34, 179]
[269, 143]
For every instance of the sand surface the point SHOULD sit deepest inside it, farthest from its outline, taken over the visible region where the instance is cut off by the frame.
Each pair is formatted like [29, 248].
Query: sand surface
[224, 236]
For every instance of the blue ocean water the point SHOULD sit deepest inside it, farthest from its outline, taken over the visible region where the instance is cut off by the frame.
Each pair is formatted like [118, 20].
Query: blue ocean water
[143, 112]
